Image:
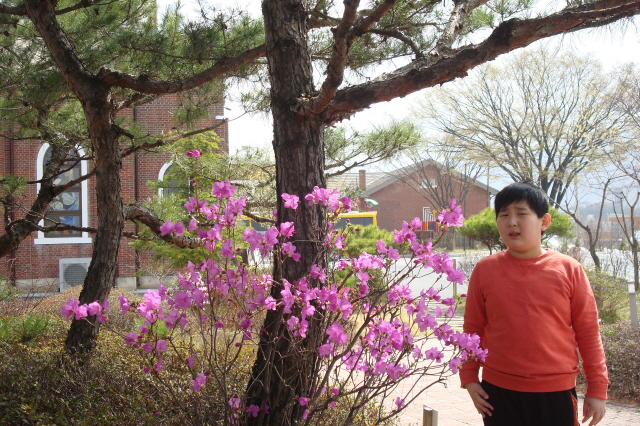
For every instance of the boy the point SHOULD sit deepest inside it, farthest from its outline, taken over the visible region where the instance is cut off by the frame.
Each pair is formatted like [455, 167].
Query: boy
[532, 307]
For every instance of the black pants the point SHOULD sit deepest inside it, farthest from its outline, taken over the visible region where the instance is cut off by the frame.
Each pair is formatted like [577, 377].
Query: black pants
[512, 408]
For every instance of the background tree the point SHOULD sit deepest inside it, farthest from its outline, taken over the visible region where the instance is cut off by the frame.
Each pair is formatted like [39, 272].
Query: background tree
[341, 38]
[542, 116]
[437, 171]
[482, 227]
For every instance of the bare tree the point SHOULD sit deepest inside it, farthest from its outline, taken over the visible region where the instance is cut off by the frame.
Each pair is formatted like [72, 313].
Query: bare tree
[437, 172]
[543, 117]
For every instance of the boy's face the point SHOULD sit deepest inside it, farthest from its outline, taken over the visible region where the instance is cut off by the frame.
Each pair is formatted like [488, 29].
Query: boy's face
[521, 229]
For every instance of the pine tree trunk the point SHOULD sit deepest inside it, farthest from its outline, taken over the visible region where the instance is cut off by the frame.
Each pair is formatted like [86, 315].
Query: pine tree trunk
[102, 269]
[282, 373]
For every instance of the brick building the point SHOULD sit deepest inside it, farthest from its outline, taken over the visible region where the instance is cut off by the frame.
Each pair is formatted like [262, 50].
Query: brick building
[46, 261]
[398, 201]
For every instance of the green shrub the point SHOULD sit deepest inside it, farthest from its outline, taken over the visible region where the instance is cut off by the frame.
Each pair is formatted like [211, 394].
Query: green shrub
[365, 239]
[622, 349]
[25, 327]
[610, 294]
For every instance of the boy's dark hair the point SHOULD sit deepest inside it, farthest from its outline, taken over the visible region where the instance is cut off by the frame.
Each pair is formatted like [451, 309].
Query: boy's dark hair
[522, 191]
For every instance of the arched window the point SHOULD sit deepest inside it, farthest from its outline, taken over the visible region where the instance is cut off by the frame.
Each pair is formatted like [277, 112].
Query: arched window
[70, 207]
[168, 185]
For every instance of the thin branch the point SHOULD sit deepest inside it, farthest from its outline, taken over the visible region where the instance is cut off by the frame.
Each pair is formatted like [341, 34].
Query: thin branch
[403, 38]
[142, 83]
[432, 71]
[455, 25]
[162, 142]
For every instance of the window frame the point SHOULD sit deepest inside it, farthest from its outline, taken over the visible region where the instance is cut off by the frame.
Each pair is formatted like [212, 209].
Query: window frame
[84, 237]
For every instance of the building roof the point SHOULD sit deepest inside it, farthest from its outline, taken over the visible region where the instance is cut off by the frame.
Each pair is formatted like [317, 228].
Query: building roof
[394, 176]
[352, 180]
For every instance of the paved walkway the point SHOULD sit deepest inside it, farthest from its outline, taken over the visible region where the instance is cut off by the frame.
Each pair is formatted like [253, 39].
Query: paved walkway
[456, 409]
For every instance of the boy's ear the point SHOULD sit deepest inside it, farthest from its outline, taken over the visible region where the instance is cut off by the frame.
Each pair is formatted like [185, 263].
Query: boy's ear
[546, 221]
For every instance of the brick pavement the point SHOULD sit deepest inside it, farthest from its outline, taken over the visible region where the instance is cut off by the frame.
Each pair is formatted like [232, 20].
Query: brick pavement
[455, 408]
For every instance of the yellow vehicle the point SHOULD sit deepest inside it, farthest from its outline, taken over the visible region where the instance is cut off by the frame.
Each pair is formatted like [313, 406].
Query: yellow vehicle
[357, 218]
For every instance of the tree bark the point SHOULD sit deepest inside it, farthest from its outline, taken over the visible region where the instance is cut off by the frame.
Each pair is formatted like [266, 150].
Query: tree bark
[98, 108]
[282, 373]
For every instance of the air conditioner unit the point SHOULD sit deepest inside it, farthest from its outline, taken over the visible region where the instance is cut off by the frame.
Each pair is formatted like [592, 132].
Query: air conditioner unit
[73, 271]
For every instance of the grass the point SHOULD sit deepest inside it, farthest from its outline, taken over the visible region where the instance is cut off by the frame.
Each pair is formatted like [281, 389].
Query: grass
[40, 384]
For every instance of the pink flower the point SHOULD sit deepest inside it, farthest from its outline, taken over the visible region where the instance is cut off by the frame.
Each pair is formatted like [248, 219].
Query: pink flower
[289, 250]
[227, 249]
[287, 229]
[336, 334]
[168, 227]
[194, 153]
[81, 312]
[304, 401]
[158, 366]
[131, 338]
[253, 237]
[317, 272]
[161, 346]
[69, 308]
[454, 364]
[452, 215]
[253, 410]
[325, 350]
[290, 201]
[200, 381]
[223, 189]
[191, 360]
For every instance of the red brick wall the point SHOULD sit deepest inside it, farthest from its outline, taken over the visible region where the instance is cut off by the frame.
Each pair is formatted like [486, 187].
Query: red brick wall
[41, 261]
[399, 202]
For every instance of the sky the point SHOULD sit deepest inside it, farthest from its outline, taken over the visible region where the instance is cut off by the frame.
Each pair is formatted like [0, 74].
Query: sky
[611, 46]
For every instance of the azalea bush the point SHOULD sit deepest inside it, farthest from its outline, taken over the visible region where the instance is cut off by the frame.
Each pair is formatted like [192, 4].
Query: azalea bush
[361, 340]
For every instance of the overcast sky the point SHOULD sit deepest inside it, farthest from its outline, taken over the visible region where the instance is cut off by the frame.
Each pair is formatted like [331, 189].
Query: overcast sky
[611, 46]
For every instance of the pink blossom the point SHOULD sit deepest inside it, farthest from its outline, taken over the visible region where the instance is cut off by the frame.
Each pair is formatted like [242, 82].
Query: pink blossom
[158, 366]
[194, 153]
[454, 364]
[191, 360]
[399, 403]
[253, 237]
[271, 236]
[434, 354]
[223, 190]
[287, 229]
[200, 381]
[290, 201]
[336, 334]
[69, 308]
[227, 249]
[131, 338]
[193, 225]
[305, 414]
[253, 410]
[169, 227]
[303, 401]
[452, 215]
[325, 350]
[161, 346]
[81, 312]
[289, 249]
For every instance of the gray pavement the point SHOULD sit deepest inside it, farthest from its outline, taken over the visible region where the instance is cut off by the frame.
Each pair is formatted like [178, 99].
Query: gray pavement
[455, 408]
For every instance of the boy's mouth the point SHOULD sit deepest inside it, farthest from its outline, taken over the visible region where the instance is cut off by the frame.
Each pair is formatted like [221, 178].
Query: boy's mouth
[514, 234]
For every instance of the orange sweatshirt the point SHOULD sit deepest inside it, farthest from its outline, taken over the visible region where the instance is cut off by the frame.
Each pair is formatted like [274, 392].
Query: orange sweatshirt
[531, 315]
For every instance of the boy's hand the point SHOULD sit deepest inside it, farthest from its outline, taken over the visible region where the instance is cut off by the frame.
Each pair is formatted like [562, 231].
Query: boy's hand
[479, 398]
[593, 407]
